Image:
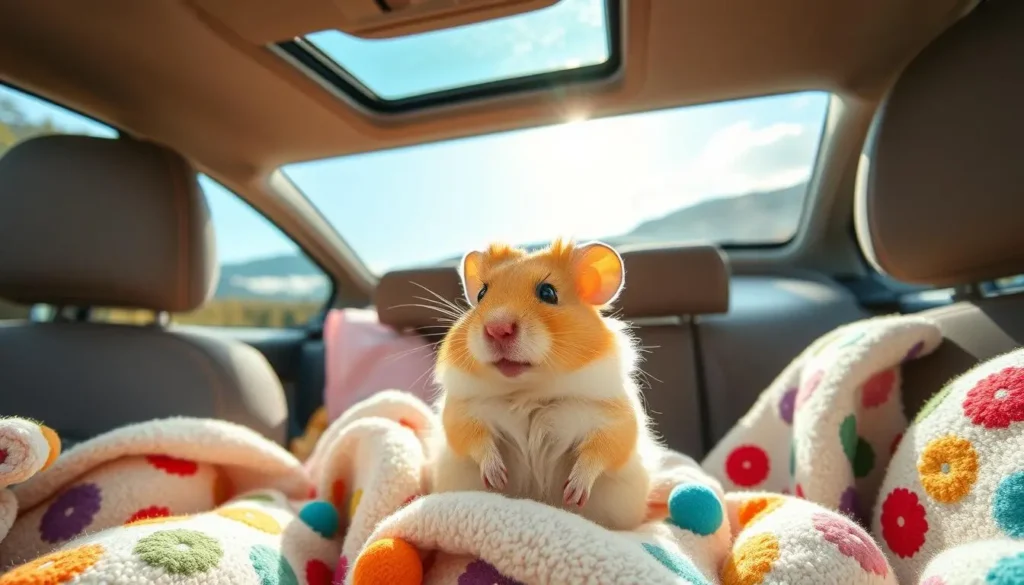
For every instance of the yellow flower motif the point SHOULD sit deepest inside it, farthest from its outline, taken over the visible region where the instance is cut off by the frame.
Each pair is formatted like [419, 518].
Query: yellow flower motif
[751, 562]
[254, 518]
[352, 505]
[54, 568]
[755, 508]
[948, 468]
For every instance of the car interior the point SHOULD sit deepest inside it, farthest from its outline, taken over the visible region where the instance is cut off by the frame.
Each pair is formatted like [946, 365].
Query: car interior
[120, 122]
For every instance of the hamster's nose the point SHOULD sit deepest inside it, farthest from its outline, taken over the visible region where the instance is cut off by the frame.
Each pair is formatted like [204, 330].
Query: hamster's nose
[501, 331]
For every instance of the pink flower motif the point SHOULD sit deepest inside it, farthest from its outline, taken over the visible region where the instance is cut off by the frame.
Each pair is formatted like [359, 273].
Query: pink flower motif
[933, 580]
[852, 541]
[808, 388]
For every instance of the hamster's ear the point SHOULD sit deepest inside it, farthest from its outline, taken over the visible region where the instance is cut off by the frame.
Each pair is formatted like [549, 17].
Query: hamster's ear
[469, 271]
[599, 273]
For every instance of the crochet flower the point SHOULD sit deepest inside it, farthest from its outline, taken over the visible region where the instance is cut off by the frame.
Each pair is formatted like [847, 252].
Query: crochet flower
[318, 573]
[751, 561]
[877, 389]
[786, 406]
[913, 352]
[849, 503]
[808, 387]
[180, 552]
[948, 468]
[852, 541]
[173, 465]
[481, 572]
[998, 400]
[747, 465]
[58, 567]
[71, 513]
[149, 513]
[904, 522]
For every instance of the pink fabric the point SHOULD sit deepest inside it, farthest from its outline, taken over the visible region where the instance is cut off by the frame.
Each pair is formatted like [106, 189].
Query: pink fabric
[364, 357]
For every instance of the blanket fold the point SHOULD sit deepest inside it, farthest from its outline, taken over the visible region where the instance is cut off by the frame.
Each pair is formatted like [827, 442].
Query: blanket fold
[197, 501]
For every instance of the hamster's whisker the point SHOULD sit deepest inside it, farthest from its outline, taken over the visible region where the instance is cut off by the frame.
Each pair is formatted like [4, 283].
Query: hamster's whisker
[443, 304]
[441, 298]
[442, 310]
[429, 347]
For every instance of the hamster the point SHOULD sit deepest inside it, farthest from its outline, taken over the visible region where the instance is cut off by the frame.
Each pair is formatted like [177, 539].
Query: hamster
[537, 392]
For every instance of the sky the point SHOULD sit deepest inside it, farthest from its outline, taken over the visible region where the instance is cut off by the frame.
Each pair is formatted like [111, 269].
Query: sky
[587, 179]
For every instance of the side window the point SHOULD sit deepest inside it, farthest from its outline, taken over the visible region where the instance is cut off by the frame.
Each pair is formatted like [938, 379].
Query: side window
[265, 278]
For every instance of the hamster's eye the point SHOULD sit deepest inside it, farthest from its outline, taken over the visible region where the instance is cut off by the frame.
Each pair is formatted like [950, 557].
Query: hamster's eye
[480, 295]
[547, 294]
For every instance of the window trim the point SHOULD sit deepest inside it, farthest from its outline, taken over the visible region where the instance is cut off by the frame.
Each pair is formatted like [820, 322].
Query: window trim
[311, 61]
[315, 327]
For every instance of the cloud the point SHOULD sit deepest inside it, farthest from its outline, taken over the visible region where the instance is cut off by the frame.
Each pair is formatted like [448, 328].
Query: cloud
[739, 158]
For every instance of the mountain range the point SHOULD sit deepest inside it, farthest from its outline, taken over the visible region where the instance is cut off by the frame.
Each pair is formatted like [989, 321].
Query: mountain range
[760, 216]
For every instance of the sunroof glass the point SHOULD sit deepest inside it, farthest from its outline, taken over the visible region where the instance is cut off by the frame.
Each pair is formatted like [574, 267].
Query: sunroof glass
[569, 35]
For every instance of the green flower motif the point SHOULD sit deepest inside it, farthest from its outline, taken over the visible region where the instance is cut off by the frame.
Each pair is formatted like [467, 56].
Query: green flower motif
[864, 460]
[272, 568]
[932, 403]
[848, 437]
[180, 551]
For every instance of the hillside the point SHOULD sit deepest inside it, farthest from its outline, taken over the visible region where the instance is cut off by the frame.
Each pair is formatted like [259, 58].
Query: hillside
[290, 277]
[752, 218]
[764, 216]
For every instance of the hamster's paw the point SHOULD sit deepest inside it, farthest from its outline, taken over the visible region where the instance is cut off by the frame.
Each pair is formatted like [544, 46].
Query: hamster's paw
[492, 471]
[577, 487]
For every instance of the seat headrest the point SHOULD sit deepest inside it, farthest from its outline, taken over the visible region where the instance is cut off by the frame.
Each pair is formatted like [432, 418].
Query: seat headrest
[95, 222]
[660, 282]
[940, 188]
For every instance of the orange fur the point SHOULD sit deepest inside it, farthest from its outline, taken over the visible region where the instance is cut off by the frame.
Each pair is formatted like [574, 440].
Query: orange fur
[466, 437]
[577, 333]
[610, 447]
[553, 403]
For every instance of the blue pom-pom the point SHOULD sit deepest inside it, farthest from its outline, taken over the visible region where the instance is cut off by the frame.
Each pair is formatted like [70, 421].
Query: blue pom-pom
[696, 508]
[321, 516]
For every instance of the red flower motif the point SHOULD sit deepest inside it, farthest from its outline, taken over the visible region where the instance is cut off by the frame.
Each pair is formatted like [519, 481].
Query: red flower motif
[904, 522]
[998, 400]
[878, 388]
[747, 465]
[895, 443]
[150, 512]
[318, 573]
[799, 491]
[173, 466]
[808, 388]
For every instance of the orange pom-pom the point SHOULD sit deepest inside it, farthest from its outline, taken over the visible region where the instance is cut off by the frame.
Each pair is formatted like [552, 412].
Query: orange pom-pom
[54, 443]
[388, 561]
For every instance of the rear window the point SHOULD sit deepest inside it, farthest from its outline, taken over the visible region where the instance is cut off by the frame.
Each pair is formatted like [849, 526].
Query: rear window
[735, 173]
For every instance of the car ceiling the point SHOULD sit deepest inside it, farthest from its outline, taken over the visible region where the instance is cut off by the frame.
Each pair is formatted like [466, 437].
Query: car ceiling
[195, 75]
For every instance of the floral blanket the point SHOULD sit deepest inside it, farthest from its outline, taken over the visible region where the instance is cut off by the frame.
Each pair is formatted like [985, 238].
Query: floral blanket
[787, 497]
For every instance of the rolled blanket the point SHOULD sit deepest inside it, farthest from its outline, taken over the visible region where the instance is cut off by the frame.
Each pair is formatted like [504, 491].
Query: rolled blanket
[26, 448]
[148, 470]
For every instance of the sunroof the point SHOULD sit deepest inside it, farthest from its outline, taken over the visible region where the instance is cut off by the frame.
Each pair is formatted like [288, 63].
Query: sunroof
[570, 40]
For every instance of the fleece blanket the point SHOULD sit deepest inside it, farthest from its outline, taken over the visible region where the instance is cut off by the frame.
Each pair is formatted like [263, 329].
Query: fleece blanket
[784, 498]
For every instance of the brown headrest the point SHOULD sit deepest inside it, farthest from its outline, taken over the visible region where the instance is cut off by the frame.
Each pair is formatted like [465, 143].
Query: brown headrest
[940, 190]
[94, 222]
[660, 282]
